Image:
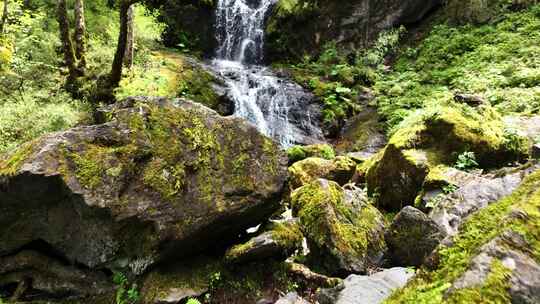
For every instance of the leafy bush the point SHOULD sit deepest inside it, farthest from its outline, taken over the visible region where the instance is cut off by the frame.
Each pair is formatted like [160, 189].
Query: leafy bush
[193, 301]
[125, 295]
[466, 161]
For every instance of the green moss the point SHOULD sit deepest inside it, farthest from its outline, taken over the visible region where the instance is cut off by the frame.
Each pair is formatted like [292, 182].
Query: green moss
[331, 225]
[298, 153]
[238, 250]
[495, 288]
[287, 235]
[487, 224]
[12, 162]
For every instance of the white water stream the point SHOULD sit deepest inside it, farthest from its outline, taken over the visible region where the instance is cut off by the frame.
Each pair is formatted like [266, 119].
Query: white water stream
[259, 96]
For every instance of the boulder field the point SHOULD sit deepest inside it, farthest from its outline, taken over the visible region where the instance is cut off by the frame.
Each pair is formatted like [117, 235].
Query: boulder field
[173, 201]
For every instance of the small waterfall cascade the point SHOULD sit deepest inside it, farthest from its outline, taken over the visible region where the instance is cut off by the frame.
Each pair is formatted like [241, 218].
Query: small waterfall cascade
[260, 97]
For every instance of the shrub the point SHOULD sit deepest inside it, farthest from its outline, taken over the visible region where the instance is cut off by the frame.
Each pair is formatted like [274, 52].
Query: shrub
[466, 161]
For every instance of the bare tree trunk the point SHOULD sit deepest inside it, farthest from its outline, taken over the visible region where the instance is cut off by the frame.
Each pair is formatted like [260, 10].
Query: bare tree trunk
[118, 62]
[4, 17]
[80, 32]
[130, 44]
[67, 45]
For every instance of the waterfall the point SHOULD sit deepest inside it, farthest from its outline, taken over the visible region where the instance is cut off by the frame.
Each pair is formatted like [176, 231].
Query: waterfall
[259, 96]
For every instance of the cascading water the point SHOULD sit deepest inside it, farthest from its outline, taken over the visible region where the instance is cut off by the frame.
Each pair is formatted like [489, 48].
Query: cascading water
[259, 96]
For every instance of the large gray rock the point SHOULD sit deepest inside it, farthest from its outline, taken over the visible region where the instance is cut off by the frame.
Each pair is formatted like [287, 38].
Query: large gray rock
[371, 289]
[412, 236]
[162, 179]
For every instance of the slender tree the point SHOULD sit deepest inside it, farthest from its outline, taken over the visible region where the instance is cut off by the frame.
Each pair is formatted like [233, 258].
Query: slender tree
[80, 32]
[4, 17]
[118, 62]
[130, 44]
[67, 45]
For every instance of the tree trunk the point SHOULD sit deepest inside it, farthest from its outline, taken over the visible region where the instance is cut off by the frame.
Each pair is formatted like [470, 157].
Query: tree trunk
[118, 62]
[130, 43]
[67, 45]
[4, 17]
[80, 32]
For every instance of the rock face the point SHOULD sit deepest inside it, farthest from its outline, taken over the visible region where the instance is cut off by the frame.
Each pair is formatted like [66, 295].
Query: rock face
[473, 193]
[162, 179]
[412, 236]
[372, 289]
[344, 231]
[340, 169]
[50, 277]
[351, 23]
[282, 240]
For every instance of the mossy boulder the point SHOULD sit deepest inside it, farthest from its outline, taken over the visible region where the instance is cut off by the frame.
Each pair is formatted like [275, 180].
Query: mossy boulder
[339, 169]
[162, 179]
[345, 233]
[298, 153]
[280, 241]
[433, 137]
[362, 134]
[492, 259]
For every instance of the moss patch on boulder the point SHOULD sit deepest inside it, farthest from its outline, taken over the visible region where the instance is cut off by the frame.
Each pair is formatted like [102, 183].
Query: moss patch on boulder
[298, 153]
[340, 170]
[344, 232]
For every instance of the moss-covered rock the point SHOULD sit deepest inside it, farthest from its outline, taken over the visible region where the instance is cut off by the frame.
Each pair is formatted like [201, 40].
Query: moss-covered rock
[280, 241]
[344, 231]
[298, 153]
[340, 170]
[362, 134]
[493, 259]
[163, 178]
[435, 137]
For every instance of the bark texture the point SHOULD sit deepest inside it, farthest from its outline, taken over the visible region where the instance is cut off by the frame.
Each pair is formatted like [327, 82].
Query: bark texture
[80, 32]
[67, 45]
[130, 43]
